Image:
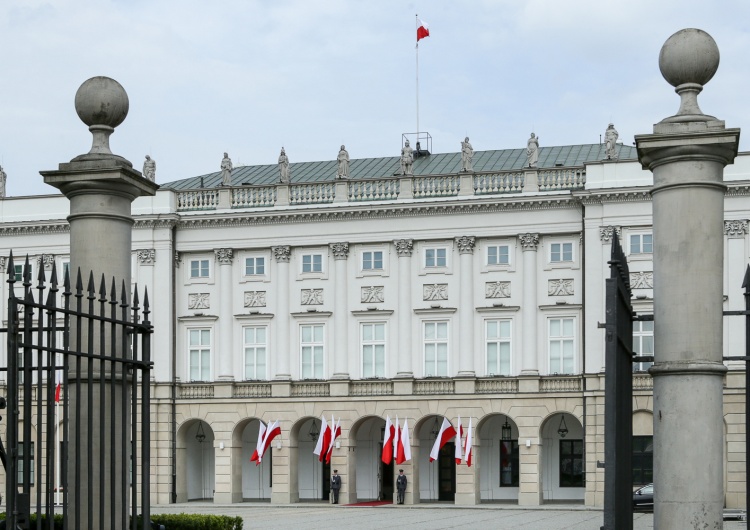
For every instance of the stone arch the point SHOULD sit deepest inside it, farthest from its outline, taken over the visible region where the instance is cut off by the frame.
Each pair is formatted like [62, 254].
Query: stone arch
[307, 476]
[196, 461]
[249, 481]
[562, 465]
[431, 481]
[498, 458]
[371, 479]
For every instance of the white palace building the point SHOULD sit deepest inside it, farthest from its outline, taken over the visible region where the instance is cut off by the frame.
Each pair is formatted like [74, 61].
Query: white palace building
[446, 293]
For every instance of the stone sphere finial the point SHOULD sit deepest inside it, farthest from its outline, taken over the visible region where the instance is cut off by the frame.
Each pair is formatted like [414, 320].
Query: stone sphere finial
[102, 104]
[688, 60]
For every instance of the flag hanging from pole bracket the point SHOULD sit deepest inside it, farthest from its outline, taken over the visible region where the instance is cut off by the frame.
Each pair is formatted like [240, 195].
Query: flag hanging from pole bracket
[423, 30]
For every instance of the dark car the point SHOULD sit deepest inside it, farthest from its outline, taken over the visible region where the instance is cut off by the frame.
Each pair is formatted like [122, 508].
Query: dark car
[643, 498]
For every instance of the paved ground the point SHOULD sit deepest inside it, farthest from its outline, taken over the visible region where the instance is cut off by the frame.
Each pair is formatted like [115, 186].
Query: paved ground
[428, 517]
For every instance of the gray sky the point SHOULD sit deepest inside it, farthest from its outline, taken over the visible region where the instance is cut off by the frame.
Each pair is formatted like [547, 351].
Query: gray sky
[251, 76]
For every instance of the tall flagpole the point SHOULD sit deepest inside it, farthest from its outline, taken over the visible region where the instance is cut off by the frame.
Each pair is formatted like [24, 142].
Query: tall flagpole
[416, 28]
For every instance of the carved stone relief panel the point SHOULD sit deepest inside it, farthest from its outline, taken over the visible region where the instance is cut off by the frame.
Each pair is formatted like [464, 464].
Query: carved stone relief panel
[146, 256]
[199, 301]
[255, 299]
[435, 291]
[497, 290]
[642, 280]
[561, 287]
[312, 296]
[372, 294]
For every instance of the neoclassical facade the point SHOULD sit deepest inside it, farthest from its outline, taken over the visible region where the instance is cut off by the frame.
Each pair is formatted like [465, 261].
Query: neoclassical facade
[446, 293]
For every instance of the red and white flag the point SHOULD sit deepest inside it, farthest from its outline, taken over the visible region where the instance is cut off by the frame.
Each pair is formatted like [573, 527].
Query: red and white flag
[459, 436]
[58, 388]
[467, 451]
[388, 437]
[335, 433]
[396, 438]
[324, 439]
[423, 30]
[403, 453]
[259, 443]
[272, 432]
[446, 433]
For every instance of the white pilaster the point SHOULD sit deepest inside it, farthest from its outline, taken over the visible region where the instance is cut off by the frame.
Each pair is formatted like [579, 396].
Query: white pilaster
[340, 354]
[282, 255]
[529, 362]
[224, 350]
[466, 246]
[404, 248]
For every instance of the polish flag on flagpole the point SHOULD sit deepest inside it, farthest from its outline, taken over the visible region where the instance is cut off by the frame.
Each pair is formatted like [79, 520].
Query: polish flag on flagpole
[459, 436]
[323, 439]
[259, 443]
[388, 436]
[335, 433]
[423, 30]
[58, 388]
[446, 433]
[403, 454]
[467, 451]
[271, 432]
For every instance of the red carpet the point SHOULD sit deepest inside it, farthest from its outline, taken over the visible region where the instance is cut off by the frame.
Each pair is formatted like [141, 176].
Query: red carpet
[371, 503]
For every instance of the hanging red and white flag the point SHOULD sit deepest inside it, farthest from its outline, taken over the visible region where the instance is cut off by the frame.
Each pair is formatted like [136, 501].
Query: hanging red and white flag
[259, 443]
[324, 438]
[446, 433]
[272, 432]
[403, 453]
[388, 434]
[335, 433]
[423, 30]
[396, 438]
[467, 451]
[58, 388]
[459, 437]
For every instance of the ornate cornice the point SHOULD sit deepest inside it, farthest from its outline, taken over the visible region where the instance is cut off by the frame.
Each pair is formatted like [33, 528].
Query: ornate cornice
[282, 253]
[620, 195]
[224, 255]
[340, 250]
[161, 222]
[466, 244]
[404, 247]
[528, 241]
[23, 230]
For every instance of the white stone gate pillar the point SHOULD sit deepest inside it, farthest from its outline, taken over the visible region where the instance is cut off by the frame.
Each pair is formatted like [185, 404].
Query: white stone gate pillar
[529, 361]
[687, 154]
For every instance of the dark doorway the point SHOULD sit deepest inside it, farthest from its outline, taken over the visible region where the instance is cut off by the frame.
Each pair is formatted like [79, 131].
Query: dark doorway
[447, 473]
[386, 479]
[326, 481]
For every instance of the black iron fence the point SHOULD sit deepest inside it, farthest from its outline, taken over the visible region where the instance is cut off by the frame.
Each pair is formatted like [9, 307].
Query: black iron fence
[78, 400]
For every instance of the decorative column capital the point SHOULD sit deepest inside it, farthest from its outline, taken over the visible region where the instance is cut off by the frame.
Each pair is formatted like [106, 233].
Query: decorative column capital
[282, 253]
[224, 255]
[404, 247]
[606, 232]
[46, 261]
[529, 241]
[177, 259]
[146, 256]
[735, 228]
[340, 250]
[466, 244]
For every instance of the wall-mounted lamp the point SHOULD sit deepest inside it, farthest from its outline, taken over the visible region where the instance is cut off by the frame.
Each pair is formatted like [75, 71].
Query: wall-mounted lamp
[221, 445]
[528, 443]
[278, 444]
[338, 444]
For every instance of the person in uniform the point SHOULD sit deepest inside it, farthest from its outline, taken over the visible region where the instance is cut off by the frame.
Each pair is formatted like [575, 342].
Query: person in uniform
[400, 486]
[335, 485]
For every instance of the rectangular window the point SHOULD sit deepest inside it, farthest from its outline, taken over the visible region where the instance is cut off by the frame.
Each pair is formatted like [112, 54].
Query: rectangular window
[311, 351]
[641, 243]
[643, 460]
[509, 469]
[435, 257]
[571, 464]
[256, 343]
[65, 268]
[373, 349]
[18, 270]
[498, 255]
[199, 268]
[255, 266]
[643, 343]
[372, 260]
[561, 345]
[312, 263]
[200, 354]
[560, 252]
[21, 462]
[497, 346]
[435, 349]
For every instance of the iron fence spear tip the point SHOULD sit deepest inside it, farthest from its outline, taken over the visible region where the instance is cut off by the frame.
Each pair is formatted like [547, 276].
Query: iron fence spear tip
[746, 279]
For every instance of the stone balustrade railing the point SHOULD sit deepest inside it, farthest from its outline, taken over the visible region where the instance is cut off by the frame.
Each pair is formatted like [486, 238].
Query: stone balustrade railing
[371, 388]
[497, 386]
[383, 189]
[643, 382]
[196, 391]
[252, 390]
[560, 384]
[433, 386]
[311, 389]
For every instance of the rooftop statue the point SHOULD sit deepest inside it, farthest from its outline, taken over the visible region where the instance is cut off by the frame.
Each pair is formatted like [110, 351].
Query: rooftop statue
[407, 159]
[226, 170]
[467, 155]
[343, 160]
[610, 142]
[149, 169]
[3, 179]
[532, 151]
[283, 167]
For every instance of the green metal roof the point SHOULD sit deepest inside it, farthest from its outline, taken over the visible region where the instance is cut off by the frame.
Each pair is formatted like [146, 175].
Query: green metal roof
[435, 164]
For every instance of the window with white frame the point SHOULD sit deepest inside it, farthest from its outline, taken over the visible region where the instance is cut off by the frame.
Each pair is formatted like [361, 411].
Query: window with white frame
[641, 243]
[560, 252]
[372, 260]
[312, 263]
[21, 461]
[561, 335]
[256, 344]
[435, 257]
[65, 268]
[199, 268]
[373, 349]
[498, 255]
[498, 346]
[643, 343]
[255, 266]
[199, 354]
[18, 270]
[312, 349]
[435, 348]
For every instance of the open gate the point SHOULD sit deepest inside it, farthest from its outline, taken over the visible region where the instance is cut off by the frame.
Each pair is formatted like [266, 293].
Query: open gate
[78, 399]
